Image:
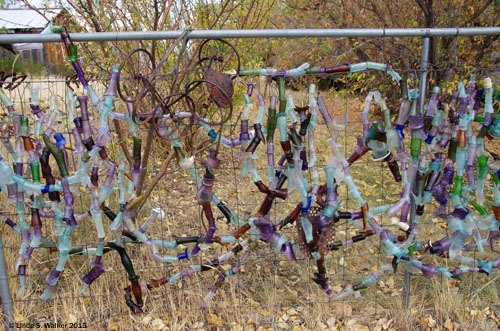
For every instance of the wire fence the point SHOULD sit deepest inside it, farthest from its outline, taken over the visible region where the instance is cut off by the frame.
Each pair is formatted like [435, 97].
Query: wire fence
[270, 291]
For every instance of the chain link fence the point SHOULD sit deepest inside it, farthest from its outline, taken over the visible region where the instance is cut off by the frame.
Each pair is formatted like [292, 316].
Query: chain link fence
[270, 291]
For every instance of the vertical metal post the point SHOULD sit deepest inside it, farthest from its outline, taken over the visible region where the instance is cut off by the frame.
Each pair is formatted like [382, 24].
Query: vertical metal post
[406, 290]
[4, 289]
[424, 60]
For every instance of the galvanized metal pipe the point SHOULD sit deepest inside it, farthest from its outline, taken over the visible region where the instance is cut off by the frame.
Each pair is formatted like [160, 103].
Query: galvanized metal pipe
[424, 62]
[256, 33]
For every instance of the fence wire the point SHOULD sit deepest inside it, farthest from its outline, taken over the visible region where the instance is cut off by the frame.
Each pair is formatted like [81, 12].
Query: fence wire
[270, 291]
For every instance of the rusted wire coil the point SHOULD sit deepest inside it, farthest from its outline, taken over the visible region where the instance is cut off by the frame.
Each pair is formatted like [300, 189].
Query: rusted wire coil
[218, 85]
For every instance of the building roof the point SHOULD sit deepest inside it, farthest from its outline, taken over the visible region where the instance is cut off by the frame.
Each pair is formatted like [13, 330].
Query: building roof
[26, 19]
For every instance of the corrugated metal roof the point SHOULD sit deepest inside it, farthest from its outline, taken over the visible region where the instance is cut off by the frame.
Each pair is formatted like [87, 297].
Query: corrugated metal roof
[23, 19]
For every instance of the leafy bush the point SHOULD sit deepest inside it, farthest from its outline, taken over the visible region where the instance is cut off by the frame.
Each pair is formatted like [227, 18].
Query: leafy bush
[29, 67]
[21, 66]
[60, 69]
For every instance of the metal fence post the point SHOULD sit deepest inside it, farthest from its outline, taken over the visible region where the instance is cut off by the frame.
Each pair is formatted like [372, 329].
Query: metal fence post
[423, 84]
[406, 290]
[4, 289]
[424, 60]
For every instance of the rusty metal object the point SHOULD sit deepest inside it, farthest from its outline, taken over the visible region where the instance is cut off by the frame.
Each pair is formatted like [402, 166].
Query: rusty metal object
[11, 81]
[220, 84]
[72, 79]
[165, 128]
[220, 87]
[215, 57]
[140, 84]
[138, 76]
[225, 113]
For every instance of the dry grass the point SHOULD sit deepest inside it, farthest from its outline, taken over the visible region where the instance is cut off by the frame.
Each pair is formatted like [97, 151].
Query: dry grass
[270, 291]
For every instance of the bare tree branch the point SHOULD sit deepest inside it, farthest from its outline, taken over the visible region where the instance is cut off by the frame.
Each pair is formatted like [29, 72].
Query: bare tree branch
[27, 4]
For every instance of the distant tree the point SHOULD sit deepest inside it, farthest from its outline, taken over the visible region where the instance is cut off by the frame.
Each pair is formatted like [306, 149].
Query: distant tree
[161, 15]
[446, 53]
[156, 15]
[6, 3]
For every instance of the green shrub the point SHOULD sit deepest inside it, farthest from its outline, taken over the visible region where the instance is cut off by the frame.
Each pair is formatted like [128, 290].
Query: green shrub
[22, 66]
[60, 69]
[26, 66]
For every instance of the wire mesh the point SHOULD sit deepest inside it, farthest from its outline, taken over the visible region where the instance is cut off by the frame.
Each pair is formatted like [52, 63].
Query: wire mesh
[270, 291]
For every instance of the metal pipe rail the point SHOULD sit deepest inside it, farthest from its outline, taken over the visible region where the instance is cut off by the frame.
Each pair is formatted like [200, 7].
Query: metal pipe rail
[257, 33]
